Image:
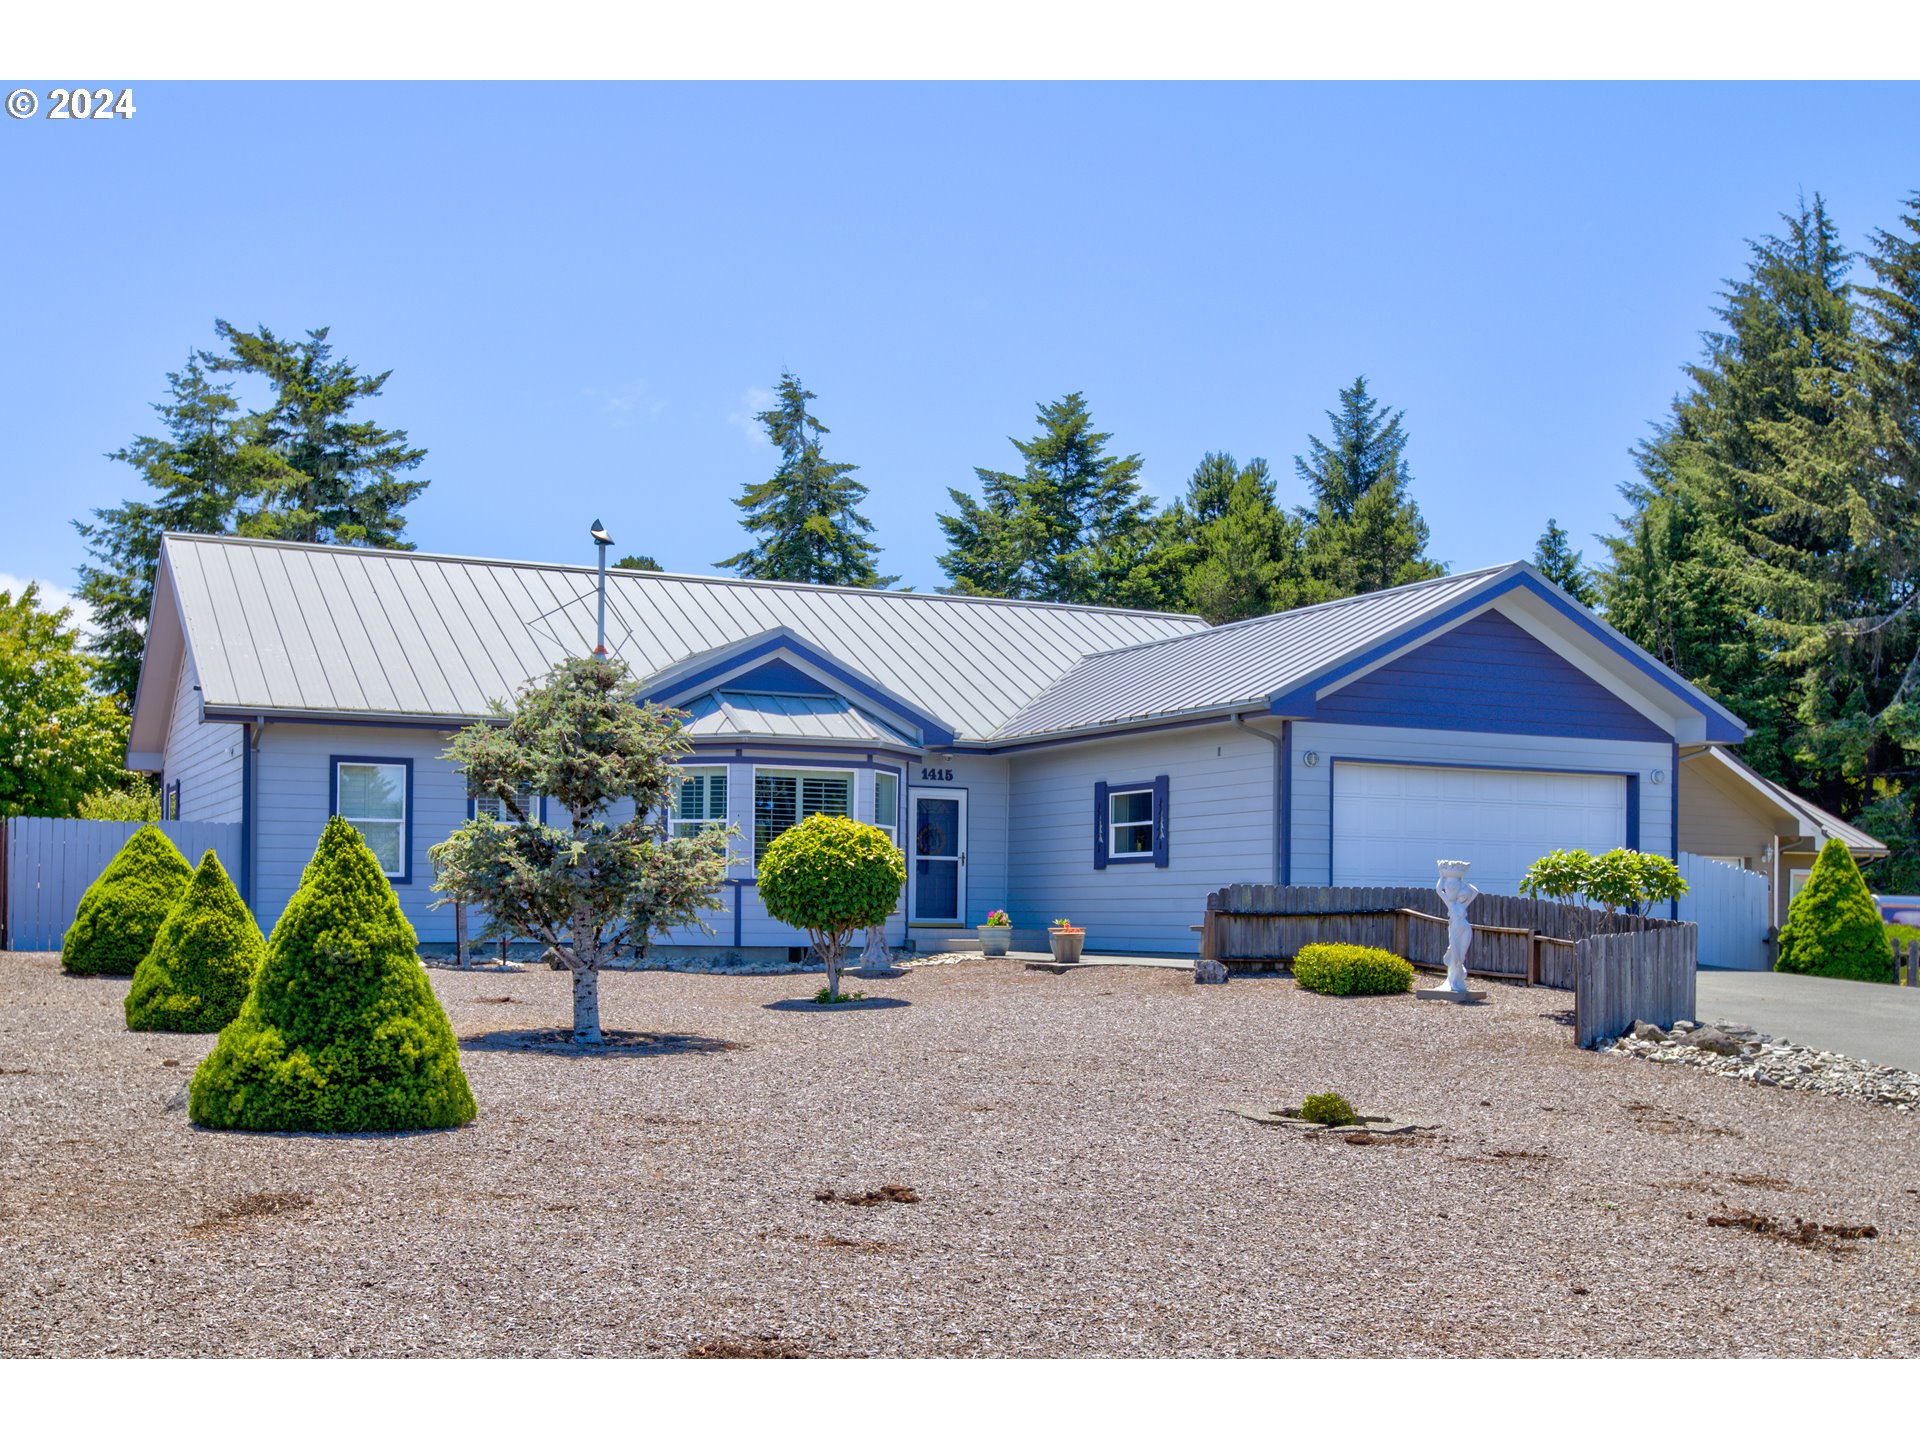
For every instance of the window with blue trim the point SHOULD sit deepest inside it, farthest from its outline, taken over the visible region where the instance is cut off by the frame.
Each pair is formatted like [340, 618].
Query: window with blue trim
[492, 807]
[371, 795]
[1130, 824]
[702, 800]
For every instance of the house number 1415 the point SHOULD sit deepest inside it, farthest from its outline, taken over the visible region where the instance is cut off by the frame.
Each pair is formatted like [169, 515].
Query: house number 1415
[928, 772]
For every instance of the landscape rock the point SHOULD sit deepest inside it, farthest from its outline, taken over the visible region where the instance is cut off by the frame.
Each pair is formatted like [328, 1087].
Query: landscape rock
[1718, 1041]
[1209, 972]
[1766, 1060]
[1644, 1030]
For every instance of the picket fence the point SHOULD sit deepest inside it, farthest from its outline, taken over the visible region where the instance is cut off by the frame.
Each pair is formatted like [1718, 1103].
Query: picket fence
[46, 865]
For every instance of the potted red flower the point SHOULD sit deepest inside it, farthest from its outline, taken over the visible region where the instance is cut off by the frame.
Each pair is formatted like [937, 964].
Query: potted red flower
[1066, 938]
[995, 932]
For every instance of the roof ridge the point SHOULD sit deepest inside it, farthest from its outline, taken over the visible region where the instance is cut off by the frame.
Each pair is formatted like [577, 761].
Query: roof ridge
[1307, 609]
[650, 575]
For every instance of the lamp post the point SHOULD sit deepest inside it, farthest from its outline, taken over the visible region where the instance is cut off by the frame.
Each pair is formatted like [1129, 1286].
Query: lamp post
[601, 540]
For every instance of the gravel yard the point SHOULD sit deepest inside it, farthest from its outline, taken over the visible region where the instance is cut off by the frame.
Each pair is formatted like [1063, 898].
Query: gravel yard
[1019, 1164]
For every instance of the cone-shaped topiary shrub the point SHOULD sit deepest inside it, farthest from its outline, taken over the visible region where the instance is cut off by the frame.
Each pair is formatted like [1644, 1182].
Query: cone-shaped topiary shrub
[341, 1030]
[1834, 928]
[202, 961]
[124, 909]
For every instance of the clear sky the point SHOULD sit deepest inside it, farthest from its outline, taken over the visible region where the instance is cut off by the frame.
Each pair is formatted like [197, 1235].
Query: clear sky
[584, 291]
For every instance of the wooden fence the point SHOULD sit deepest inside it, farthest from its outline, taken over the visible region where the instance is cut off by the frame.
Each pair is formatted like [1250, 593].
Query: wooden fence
[1730, 905]
[46, 866]
[1537, 942]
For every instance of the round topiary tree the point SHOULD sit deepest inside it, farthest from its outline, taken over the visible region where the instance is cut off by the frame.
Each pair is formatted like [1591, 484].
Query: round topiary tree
[831, 876]
[203, 960]
[341, 1030]
[123, 910]
[1834, 928]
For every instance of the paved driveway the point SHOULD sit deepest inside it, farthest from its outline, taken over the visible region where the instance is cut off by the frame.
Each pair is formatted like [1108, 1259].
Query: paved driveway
[1876, 1023]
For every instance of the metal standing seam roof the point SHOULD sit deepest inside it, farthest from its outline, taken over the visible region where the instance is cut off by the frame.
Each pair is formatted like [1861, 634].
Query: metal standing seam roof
[730, 715]
[290, 629]
[1230, 665]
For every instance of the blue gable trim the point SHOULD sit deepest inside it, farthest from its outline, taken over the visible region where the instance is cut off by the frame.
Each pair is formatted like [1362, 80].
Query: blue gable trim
[1300, 702]
[1488, 674]
[686, 685]
[778, 677]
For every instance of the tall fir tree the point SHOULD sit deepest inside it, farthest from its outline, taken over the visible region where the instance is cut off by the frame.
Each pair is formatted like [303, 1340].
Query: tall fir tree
[1073, 526]
[1243, 550]
[1364, 531]
[342, 480]
[806, 513]
[1556, 559]
[300, 469]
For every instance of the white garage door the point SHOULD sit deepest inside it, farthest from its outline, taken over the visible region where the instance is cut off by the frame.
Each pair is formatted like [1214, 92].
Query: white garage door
[1391, 822]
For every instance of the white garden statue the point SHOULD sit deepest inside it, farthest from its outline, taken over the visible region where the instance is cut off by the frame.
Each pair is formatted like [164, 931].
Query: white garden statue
[1458, 894]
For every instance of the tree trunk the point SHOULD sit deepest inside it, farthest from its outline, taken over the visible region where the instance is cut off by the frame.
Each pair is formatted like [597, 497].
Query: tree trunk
[586, 1007]
[586, 980]
[830, 953]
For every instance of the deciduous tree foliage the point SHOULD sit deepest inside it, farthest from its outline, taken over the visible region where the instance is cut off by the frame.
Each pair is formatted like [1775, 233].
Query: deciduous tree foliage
[831, 876]
[300, 469]
[203, 959]
[591, 888]
[122, 911]
[806, 514]
[341, 1030]
[1834, 928]
[59, 737]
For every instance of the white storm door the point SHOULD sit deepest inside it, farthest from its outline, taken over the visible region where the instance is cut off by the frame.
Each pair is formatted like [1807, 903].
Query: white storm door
[937, 857]
[1391, 822]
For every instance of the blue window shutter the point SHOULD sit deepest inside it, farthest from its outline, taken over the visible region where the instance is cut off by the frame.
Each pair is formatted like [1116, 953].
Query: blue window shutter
[1099, 824]
[1160, 821]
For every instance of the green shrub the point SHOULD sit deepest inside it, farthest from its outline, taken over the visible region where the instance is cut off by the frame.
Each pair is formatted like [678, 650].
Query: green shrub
[1834, 928]
[1330, 1108]
[341, 1031]
[202, 961]
[830, 876]
[1351, 970]
[124, 909]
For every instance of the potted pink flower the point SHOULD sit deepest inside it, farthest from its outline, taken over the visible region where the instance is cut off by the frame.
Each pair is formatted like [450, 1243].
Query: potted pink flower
[1066, 938]
[994, 932]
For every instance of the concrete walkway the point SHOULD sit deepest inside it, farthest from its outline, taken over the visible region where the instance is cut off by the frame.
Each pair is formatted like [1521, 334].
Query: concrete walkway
[1876, 1023]
[1156, 962]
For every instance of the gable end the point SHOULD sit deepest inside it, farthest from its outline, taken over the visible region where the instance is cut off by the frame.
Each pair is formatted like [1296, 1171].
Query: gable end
[1488, 674]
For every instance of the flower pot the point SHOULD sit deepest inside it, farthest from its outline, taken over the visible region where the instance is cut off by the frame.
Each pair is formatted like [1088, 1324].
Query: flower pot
[993, 938]
[1066, 945]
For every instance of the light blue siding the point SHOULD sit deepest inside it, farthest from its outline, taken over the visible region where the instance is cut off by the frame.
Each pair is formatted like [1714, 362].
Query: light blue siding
[1311, 786]
[1220, 788]
[205, 758]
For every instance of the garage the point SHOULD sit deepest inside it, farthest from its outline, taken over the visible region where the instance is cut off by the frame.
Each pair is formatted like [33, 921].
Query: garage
[1391, 822]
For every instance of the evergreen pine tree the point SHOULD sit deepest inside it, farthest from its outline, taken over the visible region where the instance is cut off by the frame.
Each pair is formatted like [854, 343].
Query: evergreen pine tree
[340, 481]
[1244, 555]
[202, 961]
[341, 1030]
[1072, 526]
[1364, 532]
[1560, 563]
[1834, 928]
[805, 513]
[124, 908]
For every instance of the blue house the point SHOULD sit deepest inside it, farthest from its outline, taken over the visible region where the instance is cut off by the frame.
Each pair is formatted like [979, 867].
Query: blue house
[1108, 765]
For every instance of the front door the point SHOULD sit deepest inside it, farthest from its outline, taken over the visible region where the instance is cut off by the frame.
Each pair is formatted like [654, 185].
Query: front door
[939, 853]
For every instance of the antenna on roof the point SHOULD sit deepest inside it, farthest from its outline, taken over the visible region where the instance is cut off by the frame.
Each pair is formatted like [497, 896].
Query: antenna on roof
[601, 540]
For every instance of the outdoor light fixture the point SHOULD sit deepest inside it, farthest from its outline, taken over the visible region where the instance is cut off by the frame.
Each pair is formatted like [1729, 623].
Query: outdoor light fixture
[601, 540]
[1658, 777]
[1310, 759]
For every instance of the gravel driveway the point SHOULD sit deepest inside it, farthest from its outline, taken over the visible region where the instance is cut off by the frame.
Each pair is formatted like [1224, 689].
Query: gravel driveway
[1081, 1187]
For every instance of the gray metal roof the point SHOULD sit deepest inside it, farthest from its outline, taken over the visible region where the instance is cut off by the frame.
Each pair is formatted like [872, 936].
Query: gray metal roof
[1232, 665]
[732, 715]
[287, 629]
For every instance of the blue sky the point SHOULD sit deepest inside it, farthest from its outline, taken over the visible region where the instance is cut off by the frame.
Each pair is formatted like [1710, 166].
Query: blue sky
[584, 291]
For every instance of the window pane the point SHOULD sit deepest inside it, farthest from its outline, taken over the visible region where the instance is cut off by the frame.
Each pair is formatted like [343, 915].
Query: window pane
[383, 838]
[1133, 840]
[886, 801]
[776, 803]
[1131, 807]
[826, 795]
[373, 792]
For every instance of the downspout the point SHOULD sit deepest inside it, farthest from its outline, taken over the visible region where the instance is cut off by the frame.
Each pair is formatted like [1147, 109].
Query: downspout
[1280, 747]
[246, 813]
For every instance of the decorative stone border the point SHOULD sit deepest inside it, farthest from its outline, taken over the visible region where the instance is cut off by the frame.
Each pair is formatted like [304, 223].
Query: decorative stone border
[1745, 1054]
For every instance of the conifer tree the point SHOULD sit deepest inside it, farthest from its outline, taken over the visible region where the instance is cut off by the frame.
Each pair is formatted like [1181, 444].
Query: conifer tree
[1070, 527]
[1364, 532]
[121, 912]
[1243, 551]
[202, 961]
[1560, 563]
[1834, 928]
[341, 1030]
[806, 513]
